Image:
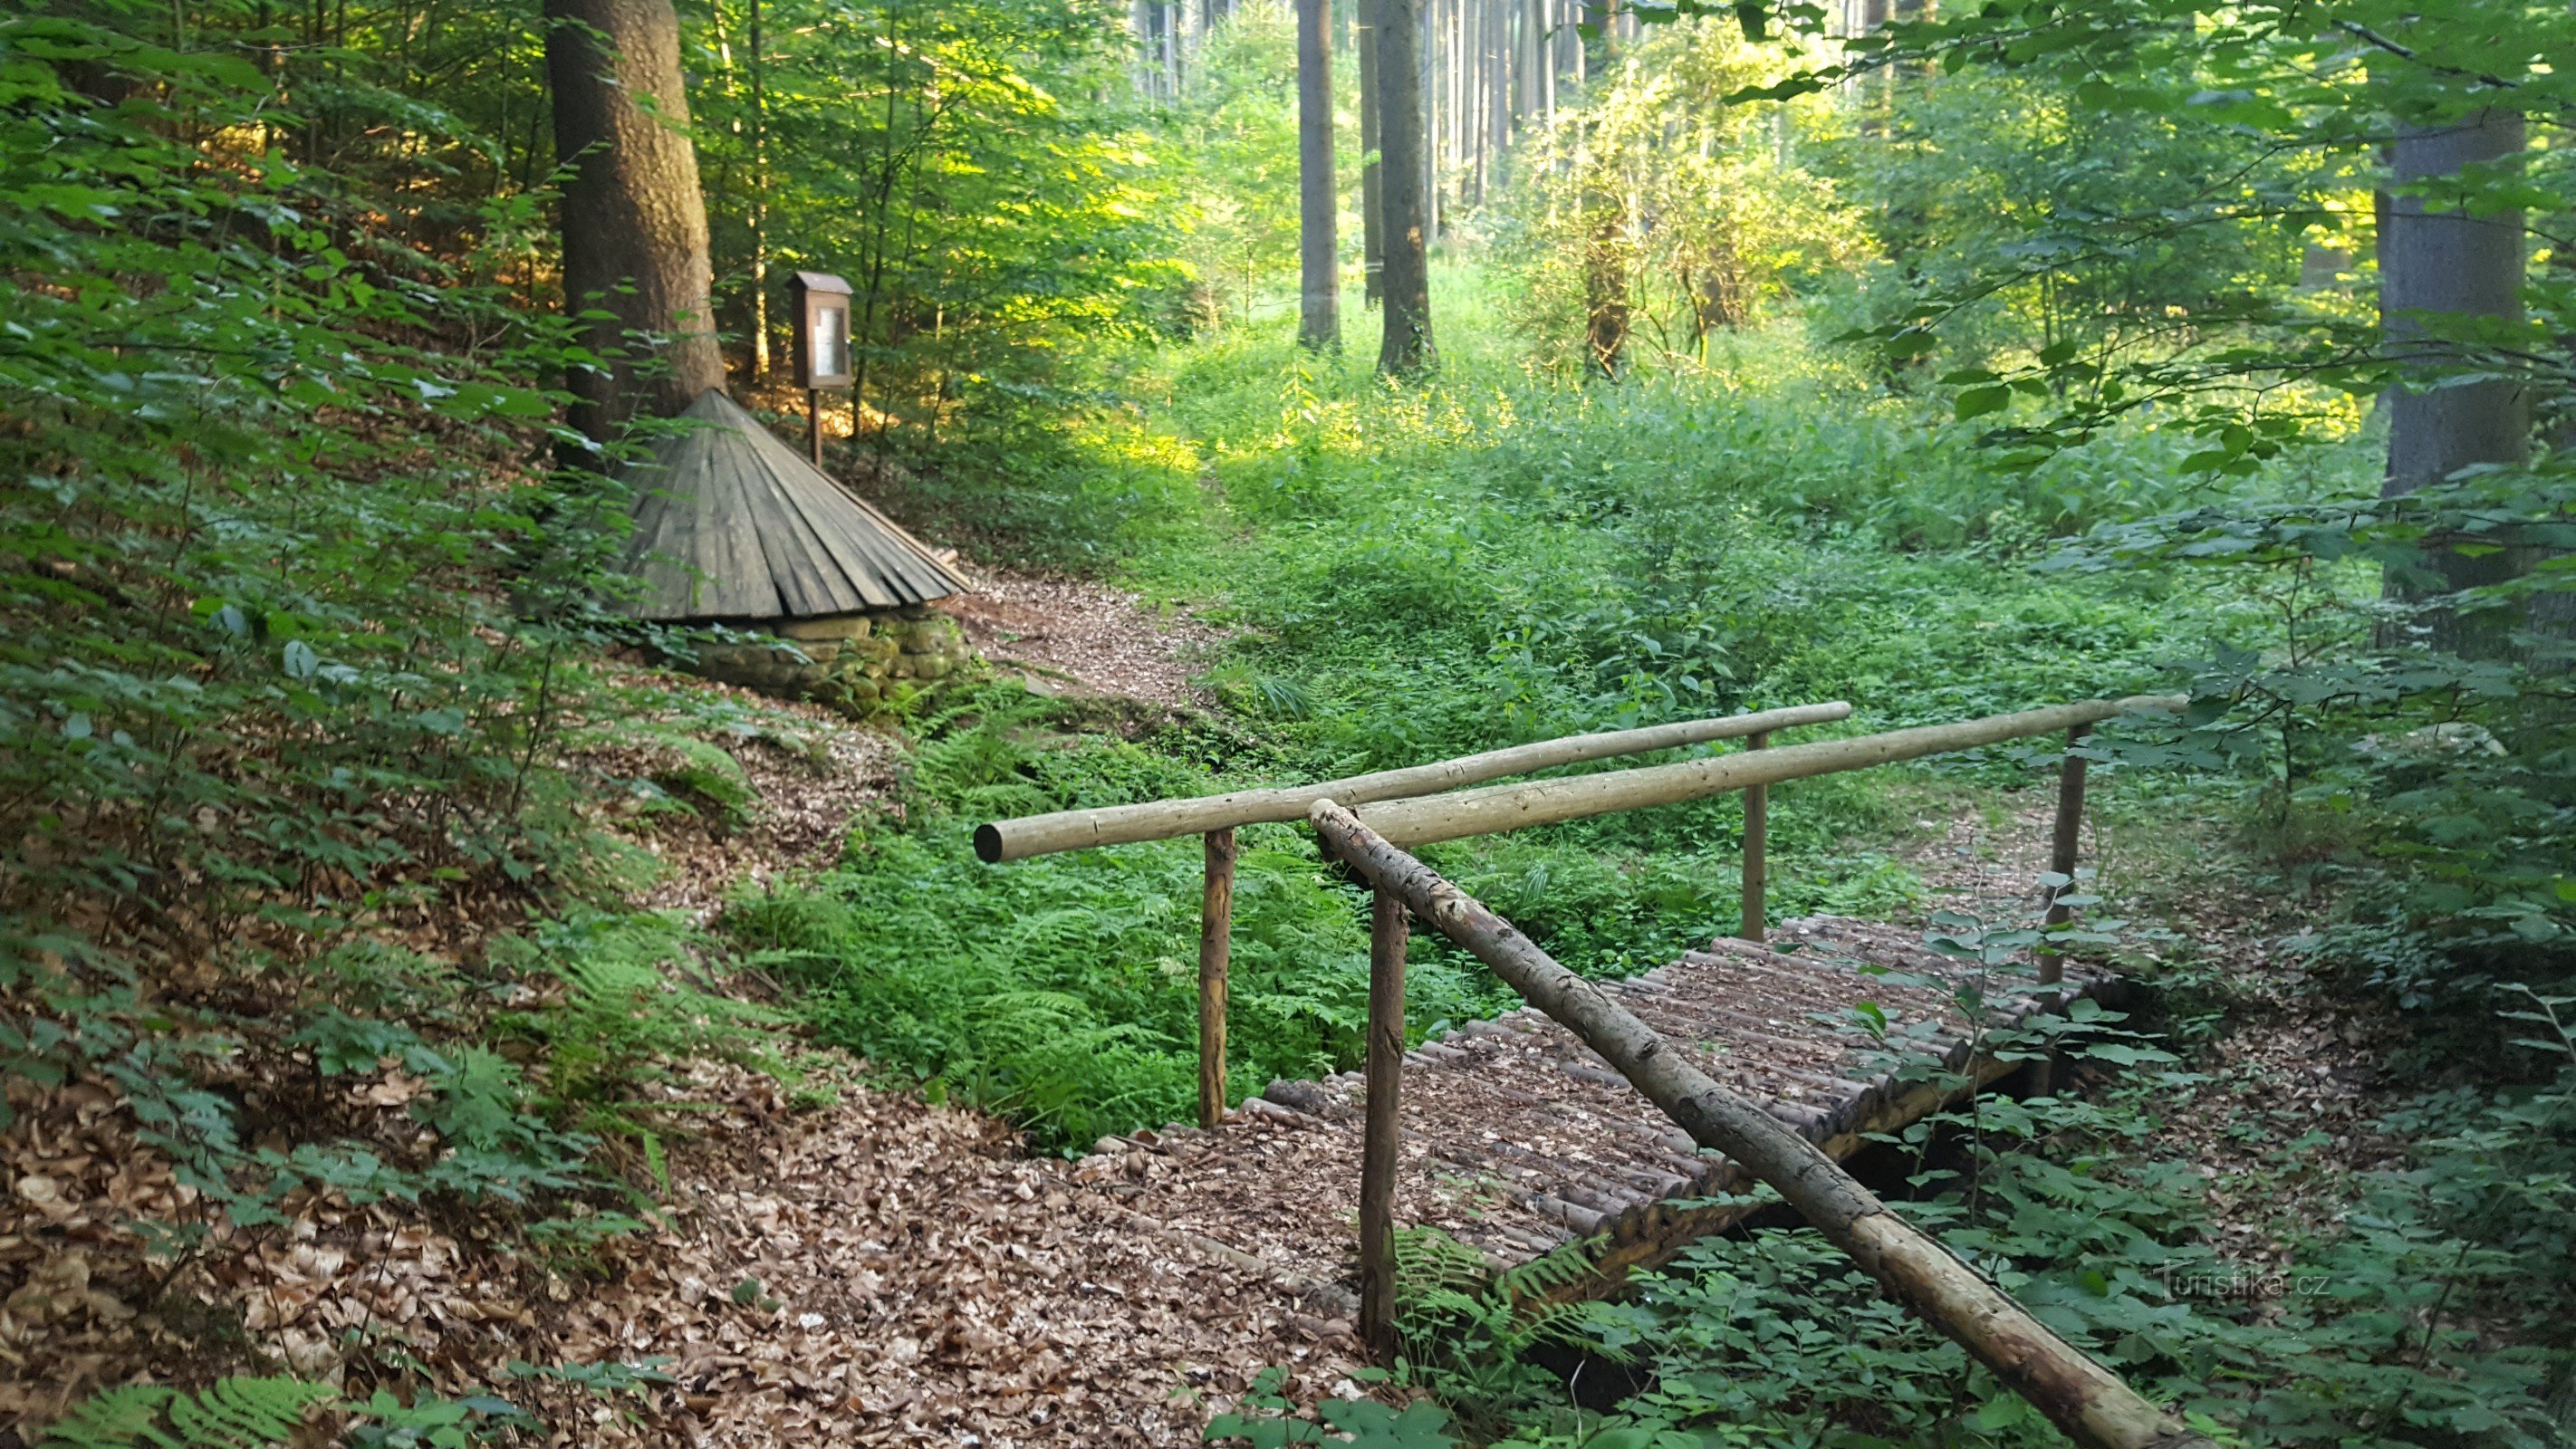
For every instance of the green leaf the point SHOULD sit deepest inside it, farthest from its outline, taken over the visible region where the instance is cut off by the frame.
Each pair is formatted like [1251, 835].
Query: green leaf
[1976, 402]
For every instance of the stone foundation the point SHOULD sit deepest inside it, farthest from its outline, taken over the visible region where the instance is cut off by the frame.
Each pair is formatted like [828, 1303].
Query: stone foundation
[846, 661]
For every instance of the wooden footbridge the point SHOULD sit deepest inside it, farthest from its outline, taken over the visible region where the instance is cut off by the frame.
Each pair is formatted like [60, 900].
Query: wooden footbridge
[1624, 1114]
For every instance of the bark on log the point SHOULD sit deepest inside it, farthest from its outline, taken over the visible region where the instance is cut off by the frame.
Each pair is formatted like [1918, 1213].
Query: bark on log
[1387, 929]
[1416, 821]
[1216, 947]
[2079, 1396]
[1030, 835]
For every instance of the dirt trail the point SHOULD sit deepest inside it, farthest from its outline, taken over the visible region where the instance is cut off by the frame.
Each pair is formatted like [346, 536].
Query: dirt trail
[1073, 636]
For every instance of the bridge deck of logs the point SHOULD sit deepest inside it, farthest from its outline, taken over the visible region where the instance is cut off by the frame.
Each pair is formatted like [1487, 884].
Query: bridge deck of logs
[1517, 1139]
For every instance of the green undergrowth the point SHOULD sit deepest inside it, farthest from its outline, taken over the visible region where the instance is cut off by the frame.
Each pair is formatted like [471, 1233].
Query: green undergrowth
[1414, 574]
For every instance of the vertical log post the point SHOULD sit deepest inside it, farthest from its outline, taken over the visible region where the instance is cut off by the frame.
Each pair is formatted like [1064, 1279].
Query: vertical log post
[814, 426]
[1377, 1149]
[2062, 850]
[1216, 943]
[1757, 826]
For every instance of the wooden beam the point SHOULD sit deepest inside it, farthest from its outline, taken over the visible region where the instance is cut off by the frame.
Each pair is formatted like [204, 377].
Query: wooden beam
[1216, 944]
[2085, 1400]
[1757, 826]
[1498, 808]
[1378, 1140]
[1030, 835]
[2063, 845]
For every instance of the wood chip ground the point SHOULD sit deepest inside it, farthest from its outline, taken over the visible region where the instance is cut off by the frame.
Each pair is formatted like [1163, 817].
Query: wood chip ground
[1518, 1139]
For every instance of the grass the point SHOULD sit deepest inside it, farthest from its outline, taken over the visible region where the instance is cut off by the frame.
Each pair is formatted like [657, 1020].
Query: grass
[1418, 572]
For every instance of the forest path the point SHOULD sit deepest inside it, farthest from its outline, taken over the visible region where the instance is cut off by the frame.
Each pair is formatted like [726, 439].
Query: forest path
[1076, 636]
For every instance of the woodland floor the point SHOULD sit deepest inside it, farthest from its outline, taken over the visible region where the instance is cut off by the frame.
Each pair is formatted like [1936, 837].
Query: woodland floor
[1073, 636]
[879, 1269]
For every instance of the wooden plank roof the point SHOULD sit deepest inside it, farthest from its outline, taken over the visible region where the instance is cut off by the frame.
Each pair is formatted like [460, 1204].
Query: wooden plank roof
[730, 523]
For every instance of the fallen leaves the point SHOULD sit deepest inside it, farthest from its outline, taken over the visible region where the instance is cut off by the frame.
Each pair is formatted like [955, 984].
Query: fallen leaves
[1074, 636]
[879, 1271]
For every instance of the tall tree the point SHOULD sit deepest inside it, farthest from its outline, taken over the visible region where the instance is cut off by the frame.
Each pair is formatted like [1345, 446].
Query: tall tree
[1372, 165]
[759, 203]
[2447, 269]
[1319, 199]
[634, 223]
[1403, 223]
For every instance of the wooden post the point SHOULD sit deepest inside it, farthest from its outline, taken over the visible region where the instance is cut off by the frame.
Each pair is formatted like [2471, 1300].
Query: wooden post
[1377, 1148]
[2062, 849]
[1216, 942]
[814, 425]
[1757, 824]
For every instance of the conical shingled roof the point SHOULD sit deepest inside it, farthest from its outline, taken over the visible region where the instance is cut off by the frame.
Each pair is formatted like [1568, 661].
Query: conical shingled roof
[731, 524]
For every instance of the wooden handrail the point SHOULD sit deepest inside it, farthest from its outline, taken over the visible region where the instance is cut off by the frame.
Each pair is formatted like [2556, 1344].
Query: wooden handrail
[1002, 840]
[2092, 1406]
[2089, 1403]
[1498, 808]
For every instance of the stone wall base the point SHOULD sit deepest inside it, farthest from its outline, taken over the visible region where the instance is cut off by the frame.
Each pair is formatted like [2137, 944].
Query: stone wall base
[846, 661]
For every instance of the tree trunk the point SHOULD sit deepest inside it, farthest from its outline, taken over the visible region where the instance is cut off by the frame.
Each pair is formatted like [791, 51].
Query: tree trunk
[1372, 165]
[1427, 60]
[2441, 274]
[634, 224]
[2082, 1398]
[1605, 288]
[1402, 223]
[1319, 198]
[759, 204]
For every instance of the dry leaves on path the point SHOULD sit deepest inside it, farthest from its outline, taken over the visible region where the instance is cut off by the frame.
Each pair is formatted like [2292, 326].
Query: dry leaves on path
[874, 1271]
[1075, 636]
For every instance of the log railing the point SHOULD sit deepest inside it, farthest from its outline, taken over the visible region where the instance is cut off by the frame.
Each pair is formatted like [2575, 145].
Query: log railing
[1511, 807]
[1215, 817]
[2092, 1405]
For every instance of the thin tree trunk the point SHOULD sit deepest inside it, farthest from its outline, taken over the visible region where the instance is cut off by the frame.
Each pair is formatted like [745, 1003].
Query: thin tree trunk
[1544, 52]
[1427, 63]
[1372, 165]
[1605, 289]
[1525, 55]
[1471, 102]
[2441, 272]
[863, 330]
[634, 223]
[1403, 224]
[1319, 198]
[2085, 1400]
[759, 202]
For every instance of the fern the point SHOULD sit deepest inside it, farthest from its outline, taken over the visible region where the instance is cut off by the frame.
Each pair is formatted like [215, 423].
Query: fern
[1445, 1283]
[1468, 1331]
[235, 1413]
[706, 779]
